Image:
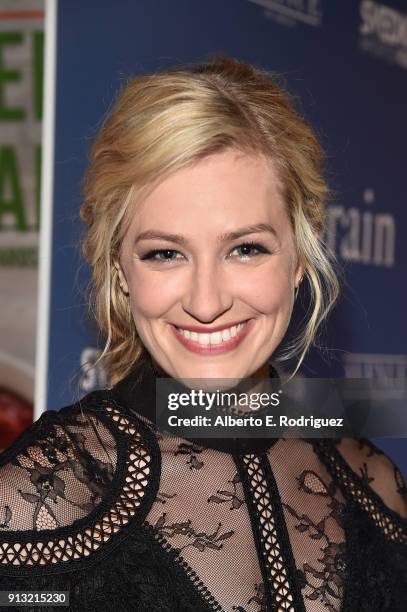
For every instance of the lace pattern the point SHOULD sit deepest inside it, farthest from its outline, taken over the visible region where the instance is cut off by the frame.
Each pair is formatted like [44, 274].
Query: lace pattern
[259, 493]
[200, 515]
[194, 528]
[47, 461]
[392, 526]
[315, 514]
[68, 475]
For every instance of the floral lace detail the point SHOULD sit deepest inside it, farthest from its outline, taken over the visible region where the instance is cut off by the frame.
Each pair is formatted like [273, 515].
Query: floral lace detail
[192, 450]
[331, 577]
[193, 528]
[63, 451]
[232, 497]
[58, 453]
[200, 539]
[8, 515]
[259, 600]
[163, 497]
[399, 483]
[391, 525]
[205, 522]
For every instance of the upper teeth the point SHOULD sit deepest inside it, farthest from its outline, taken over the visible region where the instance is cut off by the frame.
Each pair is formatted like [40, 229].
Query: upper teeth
[214, 337]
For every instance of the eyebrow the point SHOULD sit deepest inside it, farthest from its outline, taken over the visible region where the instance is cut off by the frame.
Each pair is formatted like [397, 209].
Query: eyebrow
[226, 237]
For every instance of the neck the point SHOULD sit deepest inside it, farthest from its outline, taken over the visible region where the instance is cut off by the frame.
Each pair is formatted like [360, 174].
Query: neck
[137, 393]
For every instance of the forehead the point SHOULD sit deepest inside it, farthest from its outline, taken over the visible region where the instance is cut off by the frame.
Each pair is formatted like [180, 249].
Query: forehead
[224, 189]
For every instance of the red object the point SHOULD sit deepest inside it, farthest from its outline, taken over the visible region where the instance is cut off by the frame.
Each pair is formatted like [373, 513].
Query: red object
[16, 414]
[22, 14]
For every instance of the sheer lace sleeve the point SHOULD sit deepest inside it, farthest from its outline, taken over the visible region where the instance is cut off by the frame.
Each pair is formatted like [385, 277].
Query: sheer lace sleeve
[377, 471]
[56, 472]
[73, 483]
[74, 491]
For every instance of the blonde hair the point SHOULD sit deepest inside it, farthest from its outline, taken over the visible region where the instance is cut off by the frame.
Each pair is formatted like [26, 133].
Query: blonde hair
[165, 121]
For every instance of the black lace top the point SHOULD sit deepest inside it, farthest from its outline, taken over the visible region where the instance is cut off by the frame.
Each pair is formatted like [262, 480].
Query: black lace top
[96, 501]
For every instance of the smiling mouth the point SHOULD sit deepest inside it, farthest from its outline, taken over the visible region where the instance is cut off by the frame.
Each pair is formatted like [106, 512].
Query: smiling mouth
[224, 339]
[216, 337]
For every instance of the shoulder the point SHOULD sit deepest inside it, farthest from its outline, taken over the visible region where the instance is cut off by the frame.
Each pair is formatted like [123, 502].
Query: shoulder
[376, 471]
[371, 483]
[73, 464]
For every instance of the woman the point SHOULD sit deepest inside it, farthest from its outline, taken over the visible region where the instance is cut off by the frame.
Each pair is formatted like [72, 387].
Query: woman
[204, 207]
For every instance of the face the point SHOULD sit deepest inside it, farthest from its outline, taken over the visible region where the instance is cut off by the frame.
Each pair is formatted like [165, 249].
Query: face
[210, 266]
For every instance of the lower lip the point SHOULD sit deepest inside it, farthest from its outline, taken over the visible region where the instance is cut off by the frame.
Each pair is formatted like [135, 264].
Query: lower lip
[214, 349]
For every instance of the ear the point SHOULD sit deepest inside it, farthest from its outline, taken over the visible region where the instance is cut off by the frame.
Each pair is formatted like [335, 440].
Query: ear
[122, 279]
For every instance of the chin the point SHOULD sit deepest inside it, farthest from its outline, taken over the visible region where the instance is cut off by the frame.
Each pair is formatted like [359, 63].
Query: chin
[210, 371]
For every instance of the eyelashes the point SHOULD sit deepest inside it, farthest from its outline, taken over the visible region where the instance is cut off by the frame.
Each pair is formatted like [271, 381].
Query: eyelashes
[153, 255]
[166, 255]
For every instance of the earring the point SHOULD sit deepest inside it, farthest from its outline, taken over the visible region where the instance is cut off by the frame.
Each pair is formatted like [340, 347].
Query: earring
[123, 289]
[297, 288]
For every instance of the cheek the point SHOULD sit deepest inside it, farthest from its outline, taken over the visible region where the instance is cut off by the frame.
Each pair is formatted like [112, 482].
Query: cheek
[152, 293]
[268, 290]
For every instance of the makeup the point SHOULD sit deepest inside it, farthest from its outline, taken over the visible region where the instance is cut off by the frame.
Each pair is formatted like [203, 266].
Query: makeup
[221, 339]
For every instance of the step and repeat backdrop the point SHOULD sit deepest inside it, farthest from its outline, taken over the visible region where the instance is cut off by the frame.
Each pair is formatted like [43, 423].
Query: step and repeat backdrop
[21, 88]
[346, 62]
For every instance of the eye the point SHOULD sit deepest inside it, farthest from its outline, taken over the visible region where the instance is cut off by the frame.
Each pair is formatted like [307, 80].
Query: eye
[161, 255]
[248, 250]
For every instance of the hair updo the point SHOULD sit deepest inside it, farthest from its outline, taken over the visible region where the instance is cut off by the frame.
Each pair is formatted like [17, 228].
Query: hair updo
[165, 121]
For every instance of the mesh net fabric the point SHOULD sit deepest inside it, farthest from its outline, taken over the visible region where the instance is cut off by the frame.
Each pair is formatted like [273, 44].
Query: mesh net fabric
[373, 482]
[252, 532]
[62, 476]
[202, 511]
[376, 471]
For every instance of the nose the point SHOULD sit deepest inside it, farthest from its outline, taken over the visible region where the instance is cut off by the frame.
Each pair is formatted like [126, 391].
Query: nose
[207, 295]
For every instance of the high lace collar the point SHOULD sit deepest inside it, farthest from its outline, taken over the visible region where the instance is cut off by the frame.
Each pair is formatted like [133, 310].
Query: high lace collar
[137, 394]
